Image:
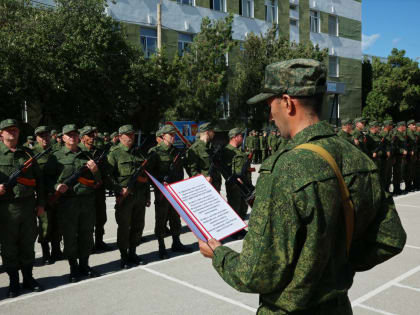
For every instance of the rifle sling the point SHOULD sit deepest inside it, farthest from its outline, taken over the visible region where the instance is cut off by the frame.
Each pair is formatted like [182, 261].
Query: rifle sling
[348, 207]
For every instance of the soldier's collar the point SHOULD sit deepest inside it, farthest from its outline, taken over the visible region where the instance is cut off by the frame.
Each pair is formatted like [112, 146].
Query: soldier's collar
[124, 147]
[319, 130]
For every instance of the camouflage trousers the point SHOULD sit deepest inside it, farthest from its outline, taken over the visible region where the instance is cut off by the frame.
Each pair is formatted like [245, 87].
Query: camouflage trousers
[410, 170]
[100, 207]
[53, 230]
[163, 213]
[398, 170]
[17, 232]
[76, 215]
[236, 201]
[130, 219]
[386, 173]
[338, 305]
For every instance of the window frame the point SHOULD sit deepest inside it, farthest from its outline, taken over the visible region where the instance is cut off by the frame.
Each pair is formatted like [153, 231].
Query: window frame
[222, 2]
[336, 25]
[272, 5]
[184, 42]
[190, 2]
[316, 19]
[337, 67]
[243, 6]
[148, 36]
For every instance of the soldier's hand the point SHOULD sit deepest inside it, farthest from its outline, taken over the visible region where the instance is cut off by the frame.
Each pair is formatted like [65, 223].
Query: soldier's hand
[388, 154]
[374, 155]
[62, 188]
[2, 189]
[43, 218]
[405, 152]
[208, 179]
[91, 165]
[207, 249]
[124, 192]
[148, 203]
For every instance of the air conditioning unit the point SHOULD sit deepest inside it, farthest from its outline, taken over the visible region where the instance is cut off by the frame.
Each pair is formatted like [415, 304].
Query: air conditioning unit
[149, 19]
[186, 25]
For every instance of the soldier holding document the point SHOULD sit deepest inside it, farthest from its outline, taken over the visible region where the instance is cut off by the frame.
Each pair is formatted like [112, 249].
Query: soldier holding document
[307, 235]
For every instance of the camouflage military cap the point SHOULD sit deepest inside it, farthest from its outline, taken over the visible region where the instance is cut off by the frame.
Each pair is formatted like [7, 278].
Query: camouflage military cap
[206, 127]
[60, 134]
[373, 124]
[95, 128]
[388, 123]
[346, 121]
[418, 124]
[53, 132]
[234, 132]
[159, 133]
[411, 122]
[114, 134]
[106, 134]
[41, 129]
[69, 128]
[126, 129]
[360, 119]
[167, 129]
[30, 138]
[401, 123]
[296, 77]
[8, 123]
[86, 130]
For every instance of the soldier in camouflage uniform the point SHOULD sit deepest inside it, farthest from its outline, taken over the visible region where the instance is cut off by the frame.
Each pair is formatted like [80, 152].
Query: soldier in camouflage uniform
[198, 157]
[399, 144]
[346, 130]
[29, 142]
[386, 171]
[19, 206]
[295, 252]
[130, 208]
[375, 147]
[235, 159]
[76, 206]
[87, 138]
[159, 167]
[359, 138]
[99, 142]
[417, 177]
[50, 232]
[114, 138]
[263, 146]
[411, 156]
[271, 142]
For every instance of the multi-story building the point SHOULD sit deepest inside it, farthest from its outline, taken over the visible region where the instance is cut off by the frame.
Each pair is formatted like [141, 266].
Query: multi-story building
[332, 24]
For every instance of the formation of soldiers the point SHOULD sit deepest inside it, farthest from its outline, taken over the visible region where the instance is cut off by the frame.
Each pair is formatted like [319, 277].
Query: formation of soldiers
[54, 189]
[395, 149]
[263, 144]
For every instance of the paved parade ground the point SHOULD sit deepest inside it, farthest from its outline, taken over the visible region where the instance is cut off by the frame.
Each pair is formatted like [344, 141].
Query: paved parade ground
[187, 284]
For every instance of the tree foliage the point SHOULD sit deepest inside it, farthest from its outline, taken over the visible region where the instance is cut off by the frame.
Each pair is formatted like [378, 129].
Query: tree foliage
[396, 88]
[258, 52]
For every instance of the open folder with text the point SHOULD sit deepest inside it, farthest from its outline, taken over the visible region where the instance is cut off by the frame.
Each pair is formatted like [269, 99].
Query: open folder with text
[201, 207]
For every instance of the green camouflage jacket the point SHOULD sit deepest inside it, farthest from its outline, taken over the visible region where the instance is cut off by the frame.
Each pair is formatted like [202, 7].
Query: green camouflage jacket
[375, 144]
[411, 139]
[341, 133]
[123, 162]
[387, 136]
[234, 158]
[399, 143]
[294, 254]
[62, 164]
[162, 160]
[359, 135]
[263, 143]
[42, 161]
[9, 162]
[198, 162]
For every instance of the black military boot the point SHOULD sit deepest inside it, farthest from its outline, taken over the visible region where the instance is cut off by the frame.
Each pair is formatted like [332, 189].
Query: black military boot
[177, 246]
[56, 253]
[14, 288]
[85, 270]
[163, 254]
[28, 280]
[74, 270]
[133, 258]
[100, 245]
[46, 257]
[125, 264]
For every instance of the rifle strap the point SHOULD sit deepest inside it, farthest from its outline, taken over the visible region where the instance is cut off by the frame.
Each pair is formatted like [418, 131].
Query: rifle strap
[26, 181]
[348, 207]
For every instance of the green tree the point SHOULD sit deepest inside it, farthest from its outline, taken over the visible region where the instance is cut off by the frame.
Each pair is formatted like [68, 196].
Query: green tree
[248, 79]
[202, 72]
[396, 88]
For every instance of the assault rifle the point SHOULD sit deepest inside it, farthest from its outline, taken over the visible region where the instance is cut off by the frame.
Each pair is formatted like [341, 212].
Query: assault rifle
[76, 176]
[134, 178]
[15, 178]
[174, 165]
[241, 180]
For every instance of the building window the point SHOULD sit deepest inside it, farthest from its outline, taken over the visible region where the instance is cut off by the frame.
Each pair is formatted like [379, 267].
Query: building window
[184, 41]
[186, 2]
[333, 25]
[218, 5]
[271, 11]
[293, 7]
[223, 106]
[293, 22]
[333, 66]
[314, 21]
[148, 39]
[246, 8]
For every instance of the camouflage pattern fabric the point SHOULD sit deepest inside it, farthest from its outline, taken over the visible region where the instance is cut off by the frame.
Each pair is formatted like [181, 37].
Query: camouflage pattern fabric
[294, 254]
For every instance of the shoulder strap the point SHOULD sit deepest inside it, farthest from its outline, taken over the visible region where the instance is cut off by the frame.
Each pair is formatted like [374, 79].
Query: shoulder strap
[345, 194]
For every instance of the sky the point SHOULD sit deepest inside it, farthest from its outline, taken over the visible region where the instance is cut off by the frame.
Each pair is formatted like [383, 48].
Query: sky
[388, 24]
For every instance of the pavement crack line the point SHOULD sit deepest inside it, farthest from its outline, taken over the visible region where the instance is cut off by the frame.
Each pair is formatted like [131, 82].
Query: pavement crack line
[407, 287]
[375, 309]
[385, 286]
[199, 289]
